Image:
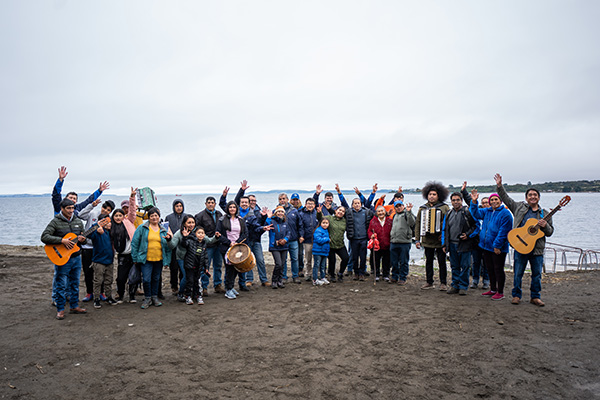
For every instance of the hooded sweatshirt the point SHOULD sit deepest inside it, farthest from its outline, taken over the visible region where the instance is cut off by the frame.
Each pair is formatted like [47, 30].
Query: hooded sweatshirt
[175, 219]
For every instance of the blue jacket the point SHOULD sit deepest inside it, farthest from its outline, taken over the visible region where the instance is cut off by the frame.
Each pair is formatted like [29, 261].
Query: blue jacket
[294, 224]
[321, 242]
[280, 231]
[496, 225]
[57, 198]
[103, 248]
[308, 224]
[324, 210]
[255, 226]
[139, 244]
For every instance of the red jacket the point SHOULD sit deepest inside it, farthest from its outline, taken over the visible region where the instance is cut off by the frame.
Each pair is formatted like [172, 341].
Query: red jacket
[383, 232]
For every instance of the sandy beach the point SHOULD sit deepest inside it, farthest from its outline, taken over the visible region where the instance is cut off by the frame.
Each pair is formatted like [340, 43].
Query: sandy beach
[353, 340]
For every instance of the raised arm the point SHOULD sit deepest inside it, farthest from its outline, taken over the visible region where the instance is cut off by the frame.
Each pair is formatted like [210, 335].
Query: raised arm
[506, 199]
[131, 213]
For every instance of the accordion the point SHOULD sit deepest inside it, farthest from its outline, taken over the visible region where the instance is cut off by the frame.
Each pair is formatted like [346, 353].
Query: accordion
[146, 198]
[431, 221]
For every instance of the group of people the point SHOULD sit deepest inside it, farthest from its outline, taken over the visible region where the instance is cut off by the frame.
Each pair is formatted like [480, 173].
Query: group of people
[313, 235]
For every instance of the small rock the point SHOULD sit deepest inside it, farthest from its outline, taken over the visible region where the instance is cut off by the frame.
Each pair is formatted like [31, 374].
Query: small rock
[500, 322]
[270, 326]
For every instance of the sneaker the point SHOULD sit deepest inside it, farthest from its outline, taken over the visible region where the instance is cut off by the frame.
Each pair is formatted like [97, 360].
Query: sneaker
[146, 303]
[189, 301]
[377, 279]
[452, 290]
[427, 286]
[200, 300]
[325, 281]
[474, 285]
[97, 303]
[230, 295]
[443, 287]
[340, 278]
[219, 289]
[281, 285]
[235, 292]
[489, 293]
[296, 280]
[498, 296]
[119, 300]
[332, 279]
[319, 282]
[156, 302]
[103, 297]
[132, 299]
[274, 285]
[386, 279]
[112, 301]
[181, 298]
[244, 288]
[316, 283]
[462, 292]
[88, 297]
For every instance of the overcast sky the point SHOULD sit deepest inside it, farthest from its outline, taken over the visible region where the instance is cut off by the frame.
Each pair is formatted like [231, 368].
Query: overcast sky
[190, 96]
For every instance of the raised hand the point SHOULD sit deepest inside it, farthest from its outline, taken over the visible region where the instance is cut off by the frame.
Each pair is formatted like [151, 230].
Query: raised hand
[264, 211]
[464, 186]
[319, 189]
[474, 196]
[356, 190]
[400, 188]
[269, 213]
[337, 188]
[498, 179]
[268, 227]
[225, 191]
[96, 202]
[244, 184]
[103, 186]
[409, 206]
[62, 173]
[133, 192]
[320, 209]
[375, 188]
[185, 232]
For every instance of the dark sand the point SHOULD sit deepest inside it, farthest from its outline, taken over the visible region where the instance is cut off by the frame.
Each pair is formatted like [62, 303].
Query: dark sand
[352, 340]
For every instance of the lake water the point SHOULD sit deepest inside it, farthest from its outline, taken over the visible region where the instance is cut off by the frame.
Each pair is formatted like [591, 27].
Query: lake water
[24, 218]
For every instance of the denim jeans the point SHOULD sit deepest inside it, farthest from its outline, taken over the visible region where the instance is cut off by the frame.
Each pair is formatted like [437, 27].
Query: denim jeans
[213, 254]
[478, 269]
[350, 266]
[257, 250]
[293, 250]
[460, 262]
[318, 271]
[151, 272]
[536, 263]
[399, 257]
[66, 282]
[358, 255]
[182, 283]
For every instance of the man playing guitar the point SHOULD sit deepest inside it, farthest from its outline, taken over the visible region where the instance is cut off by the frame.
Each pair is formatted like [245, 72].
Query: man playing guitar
[66, 277]
[523, 211]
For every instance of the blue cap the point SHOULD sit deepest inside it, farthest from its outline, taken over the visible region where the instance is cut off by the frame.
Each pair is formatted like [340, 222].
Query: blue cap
[295, 196]
[398, 203]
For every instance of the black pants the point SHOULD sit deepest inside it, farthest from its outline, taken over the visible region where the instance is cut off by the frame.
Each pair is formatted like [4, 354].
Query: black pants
[192, 282]
[124, 264]
[359, 255]
[441, 257]
[230, 274]
[88, 271]
[343, 253]
[176, 274]
[381, 257]
[279, 258]
[495, 266]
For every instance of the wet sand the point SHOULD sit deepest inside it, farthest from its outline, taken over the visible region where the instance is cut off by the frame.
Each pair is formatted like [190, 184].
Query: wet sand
[353, 340]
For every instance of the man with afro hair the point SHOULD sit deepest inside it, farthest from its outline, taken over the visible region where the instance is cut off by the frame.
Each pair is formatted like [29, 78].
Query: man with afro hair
[435, 193]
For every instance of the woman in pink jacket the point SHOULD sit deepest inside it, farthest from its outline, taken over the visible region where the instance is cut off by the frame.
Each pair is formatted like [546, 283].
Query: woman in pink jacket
[121, 234]
[380, 228]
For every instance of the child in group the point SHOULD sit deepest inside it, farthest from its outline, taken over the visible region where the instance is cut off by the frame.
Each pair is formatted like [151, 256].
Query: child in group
[320, 253]
[195, 262]
[102, 262]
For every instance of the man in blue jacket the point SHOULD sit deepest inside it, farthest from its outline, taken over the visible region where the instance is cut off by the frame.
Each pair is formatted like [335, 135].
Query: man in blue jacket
[57, 197]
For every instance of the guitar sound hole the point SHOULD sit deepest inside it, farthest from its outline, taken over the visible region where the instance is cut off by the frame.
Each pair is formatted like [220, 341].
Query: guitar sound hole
[533, 230]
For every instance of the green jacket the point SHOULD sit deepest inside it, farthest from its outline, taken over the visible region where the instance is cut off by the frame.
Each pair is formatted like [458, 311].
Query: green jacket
[430, 240]
[59, 227]
[139, 244]
[519, 209]
[337, 228]
[402, 227]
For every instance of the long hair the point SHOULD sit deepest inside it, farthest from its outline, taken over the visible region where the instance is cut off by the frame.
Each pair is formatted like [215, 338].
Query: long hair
[237, 209]
[435, 186]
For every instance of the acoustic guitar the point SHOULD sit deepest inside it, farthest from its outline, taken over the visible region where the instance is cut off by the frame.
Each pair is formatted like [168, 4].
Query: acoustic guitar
[59, 254]
[523, 239]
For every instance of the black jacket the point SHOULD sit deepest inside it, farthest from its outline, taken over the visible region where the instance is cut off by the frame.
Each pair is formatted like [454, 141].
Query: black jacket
[206, 221]
[223, 226]
[195, 257]
[350, 226]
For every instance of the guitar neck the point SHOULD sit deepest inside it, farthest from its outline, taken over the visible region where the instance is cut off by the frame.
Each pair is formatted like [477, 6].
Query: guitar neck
[551, 213]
